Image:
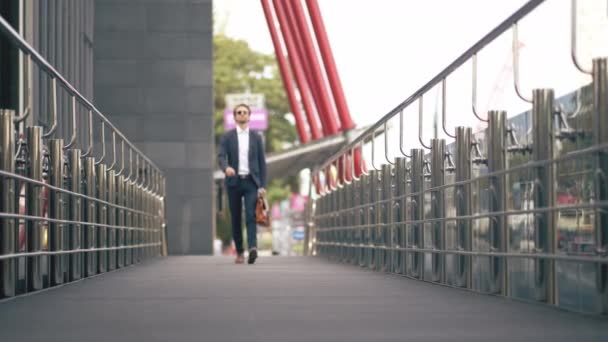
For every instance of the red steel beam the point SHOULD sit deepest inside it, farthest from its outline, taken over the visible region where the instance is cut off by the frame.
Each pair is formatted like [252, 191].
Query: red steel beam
[295, 61]
[327, 108]
[330, 65]
[297, 39]
[283, 68]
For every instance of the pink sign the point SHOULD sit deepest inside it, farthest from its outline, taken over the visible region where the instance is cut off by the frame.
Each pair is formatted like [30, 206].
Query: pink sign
[275, 211]
[298, 202]
[258, 121]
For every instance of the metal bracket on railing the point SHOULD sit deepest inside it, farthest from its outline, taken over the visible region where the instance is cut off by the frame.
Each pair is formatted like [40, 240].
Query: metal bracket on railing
[21, 156]
[401, 135]
[111, 167]
[144, 174]
[73, 139]
[53, 109]
[137, 173]
[451, 167]
[322, 186]
[386, 145]
[374, 151]
[516, 65]
[426, 169]
[474, 90]
[338, 165]
[28, 93]
[103, 144]
[564, 131]
[514, 145]
[151, 182]
[90, 148]
[67, 170]
[444, 108]
[478, 158]
[327, 188]
[148, 174]
[128, 178]
[122, 158]
[140, 172]
[344, 162]
[352, 165]
[46, 162]
[420, 110]
[573, 46]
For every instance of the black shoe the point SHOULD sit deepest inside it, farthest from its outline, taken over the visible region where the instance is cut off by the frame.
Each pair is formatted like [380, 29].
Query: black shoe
[253, 254]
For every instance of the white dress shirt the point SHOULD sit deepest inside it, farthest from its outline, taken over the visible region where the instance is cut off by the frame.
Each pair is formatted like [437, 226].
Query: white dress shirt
[243, 136]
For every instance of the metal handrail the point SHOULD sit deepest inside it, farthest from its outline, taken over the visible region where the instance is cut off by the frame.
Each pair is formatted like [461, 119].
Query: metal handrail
[516, 66]
[420, 112]
[103, 144]
[122, 162]
[91, 143]
[573, 45]
[488, 38]
[111, 166]
[386, 145]
[401, 135]
[474, 90]
[73, 139]
[444, 108]
[16, 38]
[28, 93]
[53, 110]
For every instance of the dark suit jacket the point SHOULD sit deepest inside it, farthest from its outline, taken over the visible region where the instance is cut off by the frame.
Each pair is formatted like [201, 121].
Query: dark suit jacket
[228, 155]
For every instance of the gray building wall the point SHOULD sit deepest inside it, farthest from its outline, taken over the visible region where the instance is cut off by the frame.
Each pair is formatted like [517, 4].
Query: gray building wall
[61, 31]
[153, 77]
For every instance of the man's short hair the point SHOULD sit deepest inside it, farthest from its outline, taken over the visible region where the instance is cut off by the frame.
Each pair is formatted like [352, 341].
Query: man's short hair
[238, 106]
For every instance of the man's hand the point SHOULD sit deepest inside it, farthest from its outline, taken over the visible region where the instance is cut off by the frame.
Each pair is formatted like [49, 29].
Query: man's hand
[230, 172]
[261, 192]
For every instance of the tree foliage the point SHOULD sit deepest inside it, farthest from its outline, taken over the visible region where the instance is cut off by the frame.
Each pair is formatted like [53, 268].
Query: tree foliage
[238, 69]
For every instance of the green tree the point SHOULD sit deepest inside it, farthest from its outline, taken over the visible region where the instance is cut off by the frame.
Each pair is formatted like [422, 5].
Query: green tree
[237, 69]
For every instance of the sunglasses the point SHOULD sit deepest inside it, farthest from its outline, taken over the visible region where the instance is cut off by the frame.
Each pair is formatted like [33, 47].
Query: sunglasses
[242, 112]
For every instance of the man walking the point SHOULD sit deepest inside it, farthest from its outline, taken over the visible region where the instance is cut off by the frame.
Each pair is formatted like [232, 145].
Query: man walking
[241, 158]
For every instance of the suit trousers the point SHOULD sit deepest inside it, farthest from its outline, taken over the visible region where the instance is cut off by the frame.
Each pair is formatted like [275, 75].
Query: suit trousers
[243, 188]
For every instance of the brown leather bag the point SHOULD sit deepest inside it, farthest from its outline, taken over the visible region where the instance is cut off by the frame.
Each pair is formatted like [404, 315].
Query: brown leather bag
[262, 214]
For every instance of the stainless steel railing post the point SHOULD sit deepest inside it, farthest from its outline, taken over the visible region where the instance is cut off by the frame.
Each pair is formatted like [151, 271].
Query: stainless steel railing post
[102, 217]
[361, 218]
[120, 241]
[8, 228]
[369, 218]
[57, 230]
[543, 113]
[374, 212]
[438, 208]
[34, 208]
[75, 213]
[497, 161]
[600, 136]
[462, 199]
[417, 204]
[112, 231]
[90, 231]
[400, 213]
[387, 218]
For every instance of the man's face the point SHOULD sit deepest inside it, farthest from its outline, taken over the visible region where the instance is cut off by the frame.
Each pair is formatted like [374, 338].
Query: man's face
[241, 115]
